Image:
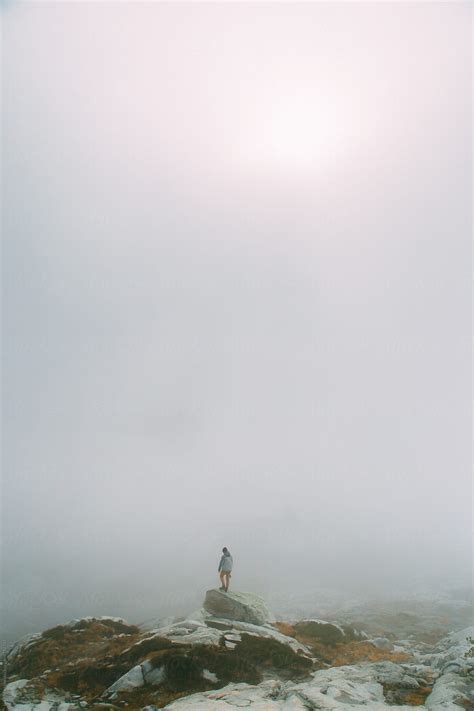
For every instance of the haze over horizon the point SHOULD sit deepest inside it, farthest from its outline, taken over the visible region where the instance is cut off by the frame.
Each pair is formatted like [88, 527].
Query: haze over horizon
[236, 301]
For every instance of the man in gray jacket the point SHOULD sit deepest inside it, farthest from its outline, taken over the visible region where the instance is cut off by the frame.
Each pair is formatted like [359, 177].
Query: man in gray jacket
[225, 568]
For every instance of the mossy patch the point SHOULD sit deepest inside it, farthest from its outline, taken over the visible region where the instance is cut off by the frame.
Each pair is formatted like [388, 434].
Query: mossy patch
[401, 696]
[73, 645]
[339, 654]
[145, 696]
[92, 679]
[325, 633]
[57, 632]
[184, 665]
[142, 649]
[111, 627]
[88, 680]
[270, 653]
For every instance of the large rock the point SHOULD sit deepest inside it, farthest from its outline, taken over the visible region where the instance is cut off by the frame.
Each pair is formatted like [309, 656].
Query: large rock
[133, 679]
[335, 689]
[210, 630]
[327, 632]
[244, 607]
[451, 692]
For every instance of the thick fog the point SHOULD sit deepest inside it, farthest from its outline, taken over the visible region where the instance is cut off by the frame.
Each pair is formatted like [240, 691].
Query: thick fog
[236, 293]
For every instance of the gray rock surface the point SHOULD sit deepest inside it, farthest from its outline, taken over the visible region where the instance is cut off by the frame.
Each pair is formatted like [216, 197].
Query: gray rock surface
[326, 632]
[451, 692]
[370, 685]
[133, 679]
[240, 606]
[331, 689]
[207, 629]
[382, 643]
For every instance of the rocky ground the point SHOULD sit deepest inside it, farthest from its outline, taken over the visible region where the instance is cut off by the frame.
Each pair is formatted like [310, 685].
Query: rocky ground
[233, 653]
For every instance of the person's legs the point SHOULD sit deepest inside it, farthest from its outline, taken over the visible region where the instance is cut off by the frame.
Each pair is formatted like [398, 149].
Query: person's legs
[227, 580]
[221, 575]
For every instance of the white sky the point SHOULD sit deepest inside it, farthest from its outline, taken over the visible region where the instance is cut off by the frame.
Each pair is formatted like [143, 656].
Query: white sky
[236, 298]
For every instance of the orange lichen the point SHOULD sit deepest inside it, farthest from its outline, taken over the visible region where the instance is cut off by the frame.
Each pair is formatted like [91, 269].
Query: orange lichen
[340, 653]
[356, 652]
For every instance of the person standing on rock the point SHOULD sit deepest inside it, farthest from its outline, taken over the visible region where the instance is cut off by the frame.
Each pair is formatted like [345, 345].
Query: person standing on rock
[225, 568]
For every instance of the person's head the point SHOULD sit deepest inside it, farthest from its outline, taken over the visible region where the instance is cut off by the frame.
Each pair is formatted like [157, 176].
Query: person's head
[225, 551]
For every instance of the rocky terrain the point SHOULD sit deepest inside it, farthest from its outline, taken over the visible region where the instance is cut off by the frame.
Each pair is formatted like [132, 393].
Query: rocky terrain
[233, 653]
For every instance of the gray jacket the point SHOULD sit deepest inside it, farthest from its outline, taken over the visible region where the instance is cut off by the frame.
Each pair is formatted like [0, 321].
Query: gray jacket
[225, 566]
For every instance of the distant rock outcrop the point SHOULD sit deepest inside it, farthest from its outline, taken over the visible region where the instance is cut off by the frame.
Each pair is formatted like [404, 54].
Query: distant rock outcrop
[328, 632]
[239, 606]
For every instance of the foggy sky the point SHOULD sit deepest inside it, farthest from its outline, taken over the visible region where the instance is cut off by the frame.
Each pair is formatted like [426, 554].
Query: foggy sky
[236, 301]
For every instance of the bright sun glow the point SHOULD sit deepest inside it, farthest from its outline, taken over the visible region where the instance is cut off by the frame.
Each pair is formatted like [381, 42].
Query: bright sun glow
[301, 138]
